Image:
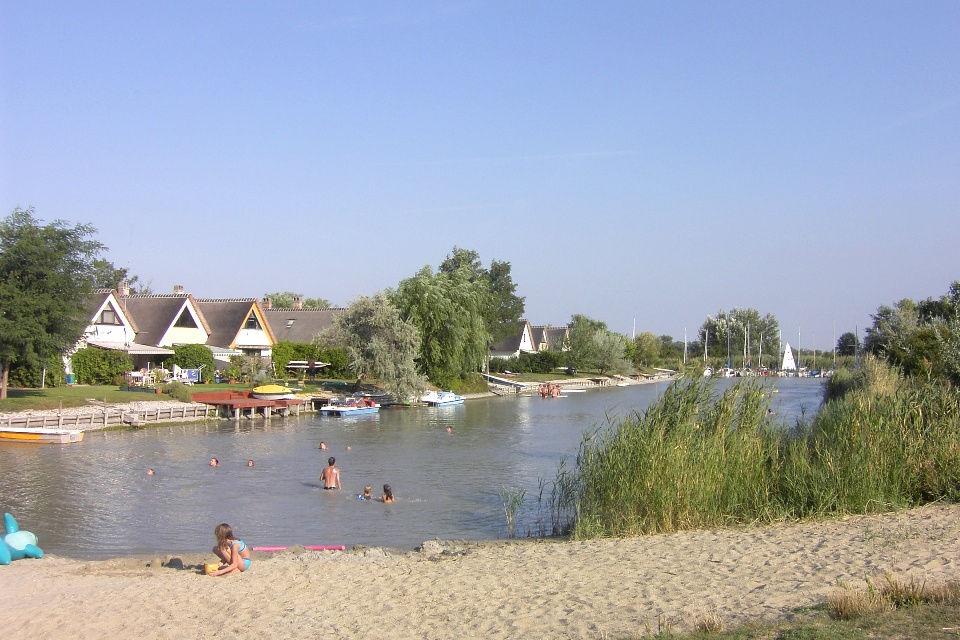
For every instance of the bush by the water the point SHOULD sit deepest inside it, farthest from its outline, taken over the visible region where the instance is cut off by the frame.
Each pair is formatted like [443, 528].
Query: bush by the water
[101, 366]
[178, 391]
[694, 459]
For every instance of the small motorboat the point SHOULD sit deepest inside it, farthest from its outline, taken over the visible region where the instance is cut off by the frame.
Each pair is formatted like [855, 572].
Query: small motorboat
[39, 435]
[273, 392]
[441, 398]
[350, 406]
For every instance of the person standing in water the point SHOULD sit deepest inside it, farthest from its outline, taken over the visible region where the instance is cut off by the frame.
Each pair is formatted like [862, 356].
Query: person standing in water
[331, 475]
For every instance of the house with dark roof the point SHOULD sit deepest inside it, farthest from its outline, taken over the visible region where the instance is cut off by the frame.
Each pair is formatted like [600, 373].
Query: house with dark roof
[237, 326]
[111, 327]
[548, 337]
[166, 320]
[520, 341]
[298, 324]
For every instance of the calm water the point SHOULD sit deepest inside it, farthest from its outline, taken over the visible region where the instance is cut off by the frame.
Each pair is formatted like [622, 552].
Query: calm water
[94, 499]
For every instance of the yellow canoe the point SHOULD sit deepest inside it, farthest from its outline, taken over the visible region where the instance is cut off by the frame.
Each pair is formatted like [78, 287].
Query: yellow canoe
[40, 435]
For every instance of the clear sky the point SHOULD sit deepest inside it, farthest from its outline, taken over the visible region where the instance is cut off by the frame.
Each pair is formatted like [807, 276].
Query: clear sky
[655, 161]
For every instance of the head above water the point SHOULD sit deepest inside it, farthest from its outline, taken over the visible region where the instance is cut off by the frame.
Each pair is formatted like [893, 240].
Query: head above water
[387, 491]
[214, 462]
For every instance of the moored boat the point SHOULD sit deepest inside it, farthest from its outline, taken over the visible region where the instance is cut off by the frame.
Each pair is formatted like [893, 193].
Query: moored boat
[351, 406]
[441, 398]
[273, 392]
[38, 435]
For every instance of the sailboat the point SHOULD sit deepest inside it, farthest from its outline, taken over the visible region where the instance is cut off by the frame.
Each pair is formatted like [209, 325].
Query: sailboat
[789, 365]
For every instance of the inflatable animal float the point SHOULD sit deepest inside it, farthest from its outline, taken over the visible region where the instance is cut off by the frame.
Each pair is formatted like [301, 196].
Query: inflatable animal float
[17, 544]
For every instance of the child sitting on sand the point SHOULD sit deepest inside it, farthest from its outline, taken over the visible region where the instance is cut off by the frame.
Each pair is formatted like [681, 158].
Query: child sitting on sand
[234, 553]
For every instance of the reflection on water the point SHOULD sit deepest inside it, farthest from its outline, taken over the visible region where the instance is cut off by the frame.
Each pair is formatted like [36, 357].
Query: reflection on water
[94, 499]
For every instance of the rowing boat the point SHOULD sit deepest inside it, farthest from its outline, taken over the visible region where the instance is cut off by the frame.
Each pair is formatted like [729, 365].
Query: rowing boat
[40, 435]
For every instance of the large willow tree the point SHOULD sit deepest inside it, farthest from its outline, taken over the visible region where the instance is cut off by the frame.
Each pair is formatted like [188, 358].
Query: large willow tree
[380, 344]
[448, 308]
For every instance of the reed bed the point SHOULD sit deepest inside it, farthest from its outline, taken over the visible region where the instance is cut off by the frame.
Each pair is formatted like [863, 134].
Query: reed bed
[697, 459]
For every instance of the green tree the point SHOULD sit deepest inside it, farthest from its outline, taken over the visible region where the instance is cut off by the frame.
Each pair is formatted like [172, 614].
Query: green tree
[46, 273]
[107, 276]
[847, 344]
[744, 333]
[448, 310]
[581, 341]
[503, 307]
[285, 300]
[194, 356]
[380, 344]
[647, 348]
[610, 353]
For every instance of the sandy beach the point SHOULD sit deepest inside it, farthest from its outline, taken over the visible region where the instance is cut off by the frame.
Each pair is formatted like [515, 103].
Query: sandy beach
[536, 589]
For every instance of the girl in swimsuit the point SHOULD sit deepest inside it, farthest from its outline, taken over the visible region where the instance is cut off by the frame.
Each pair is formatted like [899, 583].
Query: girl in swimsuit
[234, 553]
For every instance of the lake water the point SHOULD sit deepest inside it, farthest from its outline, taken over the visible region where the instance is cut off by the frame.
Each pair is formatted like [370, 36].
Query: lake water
[93, 499]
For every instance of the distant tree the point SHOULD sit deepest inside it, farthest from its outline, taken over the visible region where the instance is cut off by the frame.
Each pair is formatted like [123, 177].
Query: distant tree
[581, 343]
[447, 309]
[107, 276]
[647, 348]
[610, 353]
[503, 307]
[847, 344]
[285, 300]
[732, 330]
[46, 274]
[380, 344]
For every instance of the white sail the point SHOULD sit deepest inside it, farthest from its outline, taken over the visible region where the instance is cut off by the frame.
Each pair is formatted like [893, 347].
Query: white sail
[788, 363]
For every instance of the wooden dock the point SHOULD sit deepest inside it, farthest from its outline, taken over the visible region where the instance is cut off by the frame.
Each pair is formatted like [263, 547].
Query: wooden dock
[238, 404]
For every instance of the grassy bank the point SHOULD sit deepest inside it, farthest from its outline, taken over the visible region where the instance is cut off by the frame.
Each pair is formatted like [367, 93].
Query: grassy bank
[695, 459]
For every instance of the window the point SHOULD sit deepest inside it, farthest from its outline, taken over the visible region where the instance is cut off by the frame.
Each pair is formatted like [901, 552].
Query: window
[185, 321]
[252, 322]
[290, 323]
[109, 316]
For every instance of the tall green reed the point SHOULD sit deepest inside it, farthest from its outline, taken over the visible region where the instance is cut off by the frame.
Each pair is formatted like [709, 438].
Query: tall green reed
[697, 458]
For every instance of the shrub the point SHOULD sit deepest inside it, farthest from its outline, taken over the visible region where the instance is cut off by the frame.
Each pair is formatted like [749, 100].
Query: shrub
[194, 356]
[101, 366]
[30, 376]
[178, 391]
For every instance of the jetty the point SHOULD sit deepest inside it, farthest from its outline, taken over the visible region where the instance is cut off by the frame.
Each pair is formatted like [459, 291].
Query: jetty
[238, 404]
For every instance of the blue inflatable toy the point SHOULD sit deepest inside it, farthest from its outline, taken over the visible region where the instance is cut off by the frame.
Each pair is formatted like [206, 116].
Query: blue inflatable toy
[17, 544]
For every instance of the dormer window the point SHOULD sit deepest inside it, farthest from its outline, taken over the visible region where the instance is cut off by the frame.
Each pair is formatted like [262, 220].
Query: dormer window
[290, 323]
[252, 322]
[185, 321]
[109, 316]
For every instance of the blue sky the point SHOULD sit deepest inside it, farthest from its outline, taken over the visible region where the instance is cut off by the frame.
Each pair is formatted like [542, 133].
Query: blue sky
[655, 161]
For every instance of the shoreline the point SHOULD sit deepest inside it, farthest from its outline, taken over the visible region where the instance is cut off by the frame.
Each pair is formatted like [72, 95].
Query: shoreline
[451, 589]
[97, 410]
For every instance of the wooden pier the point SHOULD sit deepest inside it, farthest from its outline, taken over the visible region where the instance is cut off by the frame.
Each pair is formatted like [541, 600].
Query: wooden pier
[239, 404]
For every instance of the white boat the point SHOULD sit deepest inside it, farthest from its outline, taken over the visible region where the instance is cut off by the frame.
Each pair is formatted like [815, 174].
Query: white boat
[441, 398]
[39, 435]
[273, 392]
[788, 362]
[351, 406]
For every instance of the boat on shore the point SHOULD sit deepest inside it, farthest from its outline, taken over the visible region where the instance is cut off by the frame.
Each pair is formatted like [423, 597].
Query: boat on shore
[273, 392]
[40, 435]
[441, 398]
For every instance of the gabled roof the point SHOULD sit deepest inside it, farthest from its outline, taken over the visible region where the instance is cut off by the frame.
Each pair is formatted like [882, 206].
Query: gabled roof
[300, 325]
[512, 343]
[155, 314]
[227, 316]
[96, 301]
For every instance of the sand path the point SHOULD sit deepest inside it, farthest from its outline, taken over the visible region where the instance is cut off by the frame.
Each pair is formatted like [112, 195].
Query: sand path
[545, 589]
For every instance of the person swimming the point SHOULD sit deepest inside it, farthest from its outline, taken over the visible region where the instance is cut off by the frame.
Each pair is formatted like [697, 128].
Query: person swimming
[387, 494]
[214, 462]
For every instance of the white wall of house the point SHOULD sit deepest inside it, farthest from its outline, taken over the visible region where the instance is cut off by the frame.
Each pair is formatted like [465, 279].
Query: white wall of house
[183, 335]
[252, 339]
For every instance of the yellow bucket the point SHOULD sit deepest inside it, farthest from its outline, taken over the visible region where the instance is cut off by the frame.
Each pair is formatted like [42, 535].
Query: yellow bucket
[210, 568]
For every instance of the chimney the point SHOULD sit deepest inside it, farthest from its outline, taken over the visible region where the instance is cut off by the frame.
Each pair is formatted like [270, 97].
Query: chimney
[266, 303]
[178, 289]
[123, 289]
[297, 303]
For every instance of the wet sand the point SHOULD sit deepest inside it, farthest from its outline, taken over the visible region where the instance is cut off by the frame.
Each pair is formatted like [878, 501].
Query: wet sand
[536, 589]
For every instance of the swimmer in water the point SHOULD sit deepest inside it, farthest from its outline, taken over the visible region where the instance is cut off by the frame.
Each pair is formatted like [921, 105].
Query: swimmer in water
[387, 494]
[323, 445]
[150, 472]
[331, 475]
[214, 462]
[249, 463]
